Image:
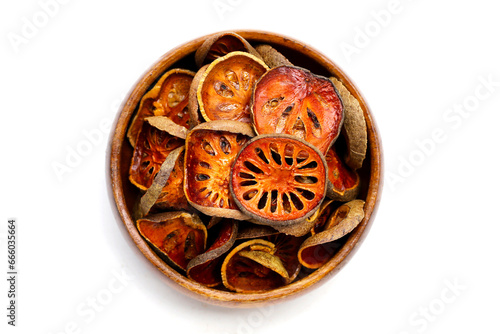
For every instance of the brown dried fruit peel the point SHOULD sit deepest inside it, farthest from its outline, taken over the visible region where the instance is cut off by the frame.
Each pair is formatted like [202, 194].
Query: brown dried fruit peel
[169, 97]
[294, 101]
[278, 180]
[319, 248]
[160, 184]
[221, 44]
[257, 269]
[193, 107]
[354, 127]
[152, 148]
[164, 123]
[177, 236]
[206, 267]
[271, 56]
[225, 87]
[343, 183]
[210, 151]
[287, 247]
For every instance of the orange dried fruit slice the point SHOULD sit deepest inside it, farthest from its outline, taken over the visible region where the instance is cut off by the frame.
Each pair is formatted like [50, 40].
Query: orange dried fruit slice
[343, 183]
[271, 56]
[177, 236]
[292, 100]
[210, 151]
[225, 87]
[320, 248]
[354, 128]
[219, 45]
[278, 180]
[206, 267]
[152, 148]
[253, 267]
[168, 97]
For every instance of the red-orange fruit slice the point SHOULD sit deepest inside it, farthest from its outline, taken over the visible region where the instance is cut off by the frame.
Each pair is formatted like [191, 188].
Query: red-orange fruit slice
[253, 267]
[320, 248]
[210, 151]
[169, 97]
[294, 101]
[152, 148]
[177, 236]
[278, 180]
[343, 183]
[225, 87]
[206, 267]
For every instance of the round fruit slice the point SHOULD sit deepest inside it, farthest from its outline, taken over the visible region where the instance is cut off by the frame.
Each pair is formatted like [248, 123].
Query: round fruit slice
[253, 267]
[225, 88]
[319, 248]
[354, 128]
[177, 236]
[294, 101]
[219, 45]
[206, 267]
[210, 151]
[343, 183]
[278, 180]
[152, 148]
[169, 97]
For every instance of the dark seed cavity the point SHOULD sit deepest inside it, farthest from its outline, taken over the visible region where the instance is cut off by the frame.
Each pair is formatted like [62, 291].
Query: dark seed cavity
[225, 145]
[308, 195]
[252, 167]
[296, 201]
[201, 177]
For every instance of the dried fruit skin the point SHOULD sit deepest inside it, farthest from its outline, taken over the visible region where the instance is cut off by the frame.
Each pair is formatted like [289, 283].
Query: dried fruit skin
[294, 101]
[271, 56]
[278, 180]
[343, 183]
[169, 97]
[225, 88]
[178, 236]
[152, 148]
[208, 160]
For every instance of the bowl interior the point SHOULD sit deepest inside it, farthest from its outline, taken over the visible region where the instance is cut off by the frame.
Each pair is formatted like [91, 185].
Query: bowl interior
[124, 194]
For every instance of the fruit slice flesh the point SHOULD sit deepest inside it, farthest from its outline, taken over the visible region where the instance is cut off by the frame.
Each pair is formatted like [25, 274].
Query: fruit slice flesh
[294, 101]
[226, 87]
[278, 179]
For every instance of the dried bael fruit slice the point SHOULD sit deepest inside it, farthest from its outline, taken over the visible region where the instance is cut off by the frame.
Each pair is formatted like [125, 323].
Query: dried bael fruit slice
[210, 151]
[271, 56]
[206, 267]
[319, 248]
[221, 44]
[321, 216]
[177, 236]
[253, 267]
[343, 183]
[278, 180]
[225, 88]
[287, 247]
[354, 128]
[294, 101]
[152, 148]
[193, 107]
[169, 97]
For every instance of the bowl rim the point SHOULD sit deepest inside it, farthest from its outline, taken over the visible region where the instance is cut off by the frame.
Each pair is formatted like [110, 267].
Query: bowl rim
[177, 280]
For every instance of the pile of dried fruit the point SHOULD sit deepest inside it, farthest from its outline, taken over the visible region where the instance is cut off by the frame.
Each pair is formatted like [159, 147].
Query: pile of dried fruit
[242, 187]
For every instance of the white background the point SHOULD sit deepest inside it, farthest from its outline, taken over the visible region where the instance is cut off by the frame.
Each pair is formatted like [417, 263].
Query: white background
[437, 226]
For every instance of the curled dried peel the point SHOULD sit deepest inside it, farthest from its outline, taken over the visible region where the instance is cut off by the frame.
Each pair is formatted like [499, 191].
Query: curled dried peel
[218, 45]
[193, 107]
[210, 151]
[178, 236]
[319, 248]
[225, 87]
[354, 127]
[206, 267]
[252, 267]
[343, 183]
[271, 56]
[278, 180]
[169, 97]
[164, 123]
[294, 101]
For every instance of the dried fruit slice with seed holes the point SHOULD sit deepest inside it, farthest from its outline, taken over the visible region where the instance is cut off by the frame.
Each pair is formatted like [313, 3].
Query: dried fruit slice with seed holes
[292, 100]
[168, 97]
[225, 87]
[278, 180]
[210, 151]
[177, 236]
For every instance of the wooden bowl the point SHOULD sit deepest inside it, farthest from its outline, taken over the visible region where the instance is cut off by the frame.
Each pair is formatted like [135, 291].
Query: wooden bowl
[123, 194]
